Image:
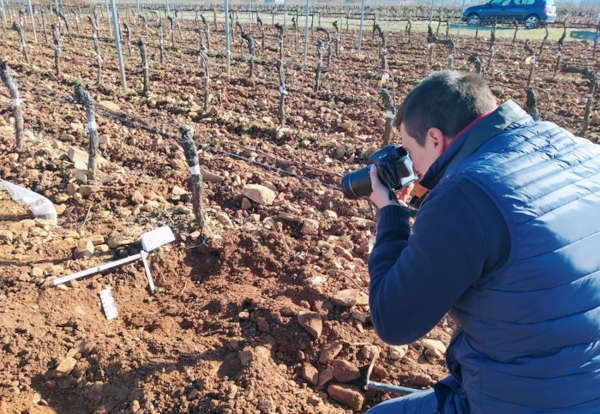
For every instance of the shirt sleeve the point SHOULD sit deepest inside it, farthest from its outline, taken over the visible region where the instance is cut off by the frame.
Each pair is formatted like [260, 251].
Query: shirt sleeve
[458, 236]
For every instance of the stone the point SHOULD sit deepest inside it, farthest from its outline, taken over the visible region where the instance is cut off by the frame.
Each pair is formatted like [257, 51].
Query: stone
[6, 236]
[85, 190]
[97, 239]
[210, 177]
[310, 226]
[118, 240]
[102, 248]
[266, 406]
[151, 205]
[396, 352]
[312, 322]
[178, 191]
[350, 297]
[340, 251]
[330, 214]
[77, 155]
[344, 371]
[330, 351]
[60, 208]
[325, 376]
[224, 219]
[80, 165]
[111, 106]
[362, 222]
[420, 379]
[72, 188]
[80, 175]
[182, 210]
[85, 248]
[137, 197]
[346, 395]
[65, 367]
[369, 352]
[258, 354]
[310, 374]
[259, 194]
[104, 140]
[246, 204]
[434, 347]
[37, 272]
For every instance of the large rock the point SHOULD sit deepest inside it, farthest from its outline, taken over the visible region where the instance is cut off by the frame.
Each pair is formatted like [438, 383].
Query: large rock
[346, 395]
[350, 297]
[310, 373]
[259, 194]
[78, 156]
[325, 376]
[397, 351]
[65, 366]
[344, 371]
[85, 248]
[433, 347]
[312, 322]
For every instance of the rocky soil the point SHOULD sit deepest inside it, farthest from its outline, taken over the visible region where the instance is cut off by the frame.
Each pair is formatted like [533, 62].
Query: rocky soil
[265, 310]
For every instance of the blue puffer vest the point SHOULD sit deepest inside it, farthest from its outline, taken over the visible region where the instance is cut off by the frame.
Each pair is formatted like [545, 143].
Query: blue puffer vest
[529, 335]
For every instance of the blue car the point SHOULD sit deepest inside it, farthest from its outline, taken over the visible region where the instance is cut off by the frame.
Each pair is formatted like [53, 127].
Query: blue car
[530, 12]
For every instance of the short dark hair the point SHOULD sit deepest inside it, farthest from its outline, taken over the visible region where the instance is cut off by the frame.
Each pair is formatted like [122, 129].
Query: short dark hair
[448, 100]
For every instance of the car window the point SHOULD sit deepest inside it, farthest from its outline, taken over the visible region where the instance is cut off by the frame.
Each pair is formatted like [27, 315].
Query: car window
[524, 2]
[498, 2]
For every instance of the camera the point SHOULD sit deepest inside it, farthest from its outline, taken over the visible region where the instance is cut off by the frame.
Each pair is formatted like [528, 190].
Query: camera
[394, 169]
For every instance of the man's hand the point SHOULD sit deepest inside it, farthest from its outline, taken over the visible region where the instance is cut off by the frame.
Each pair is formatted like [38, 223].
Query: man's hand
[380, 195]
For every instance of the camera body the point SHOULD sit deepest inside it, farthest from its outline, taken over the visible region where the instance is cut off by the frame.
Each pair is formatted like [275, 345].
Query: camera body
[394, 169]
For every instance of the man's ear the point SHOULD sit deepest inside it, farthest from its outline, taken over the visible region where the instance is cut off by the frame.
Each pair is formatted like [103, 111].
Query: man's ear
[437, 139]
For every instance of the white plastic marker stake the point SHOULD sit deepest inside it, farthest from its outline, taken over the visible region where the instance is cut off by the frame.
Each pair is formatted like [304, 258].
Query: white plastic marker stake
[150, 241]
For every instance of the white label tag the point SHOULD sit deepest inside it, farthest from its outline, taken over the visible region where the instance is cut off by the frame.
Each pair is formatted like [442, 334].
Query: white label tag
[590, 96]
[451, 56]
[250, 57]
[282, 90]
[17, 102]
[92, 126]
[389, 114]
[156, 238]
[108, 304]
[195, 170]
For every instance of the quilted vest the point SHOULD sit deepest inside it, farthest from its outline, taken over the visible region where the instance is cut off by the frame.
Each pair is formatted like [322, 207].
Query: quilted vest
[529, 333]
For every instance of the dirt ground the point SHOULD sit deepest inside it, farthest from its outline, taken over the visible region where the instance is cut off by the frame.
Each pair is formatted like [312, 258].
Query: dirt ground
[265, 309]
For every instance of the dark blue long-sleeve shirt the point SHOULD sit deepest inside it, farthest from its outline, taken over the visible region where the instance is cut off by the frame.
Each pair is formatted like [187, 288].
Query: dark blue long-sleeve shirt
[458, 235]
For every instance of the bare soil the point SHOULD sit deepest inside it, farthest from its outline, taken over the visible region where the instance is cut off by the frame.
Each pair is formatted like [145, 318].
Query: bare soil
[222, 334]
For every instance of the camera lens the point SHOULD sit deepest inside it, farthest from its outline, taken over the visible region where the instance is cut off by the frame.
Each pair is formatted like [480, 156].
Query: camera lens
[357, 184]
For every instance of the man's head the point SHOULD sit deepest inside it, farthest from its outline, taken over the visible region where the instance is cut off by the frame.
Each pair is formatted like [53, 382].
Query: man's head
[439, 108]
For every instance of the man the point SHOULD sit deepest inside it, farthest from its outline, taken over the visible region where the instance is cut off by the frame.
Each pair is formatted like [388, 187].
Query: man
[507, 240]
